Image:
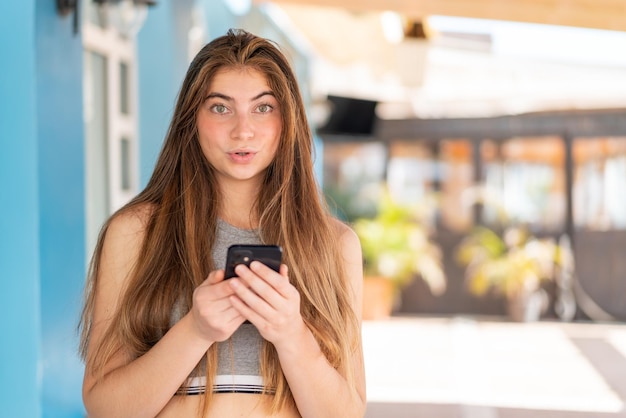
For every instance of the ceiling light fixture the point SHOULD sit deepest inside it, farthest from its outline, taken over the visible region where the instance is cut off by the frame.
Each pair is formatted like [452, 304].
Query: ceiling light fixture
[127, 16]
[65, 7]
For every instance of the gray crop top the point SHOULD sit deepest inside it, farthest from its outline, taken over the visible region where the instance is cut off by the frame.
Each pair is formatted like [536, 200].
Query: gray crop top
[238, 368]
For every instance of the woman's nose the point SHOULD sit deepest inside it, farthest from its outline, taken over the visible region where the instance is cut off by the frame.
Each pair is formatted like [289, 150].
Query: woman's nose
[243, 128]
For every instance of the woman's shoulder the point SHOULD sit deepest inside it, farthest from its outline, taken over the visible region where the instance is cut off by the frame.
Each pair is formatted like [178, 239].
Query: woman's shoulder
[136, 216]
[350, 249]
[122, 242]
[344, 233]
[130, 221]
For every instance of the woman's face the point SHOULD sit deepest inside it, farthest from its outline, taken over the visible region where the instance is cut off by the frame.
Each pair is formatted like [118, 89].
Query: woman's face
[239, 125]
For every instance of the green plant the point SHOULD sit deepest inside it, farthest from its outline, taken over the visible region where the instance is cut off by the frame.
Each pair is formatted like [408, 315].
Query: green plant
[511, 264]
[396, 245]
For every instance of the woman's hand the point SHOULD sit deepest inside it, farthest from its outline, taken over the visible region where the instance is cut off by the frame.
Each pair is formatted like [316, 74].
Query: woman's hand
[214, 316]
[269, 301]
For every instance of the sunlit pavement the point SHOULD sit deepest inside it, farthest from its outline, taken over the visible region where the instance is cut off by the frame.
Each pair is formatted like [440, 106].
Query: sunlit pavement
[488, 368]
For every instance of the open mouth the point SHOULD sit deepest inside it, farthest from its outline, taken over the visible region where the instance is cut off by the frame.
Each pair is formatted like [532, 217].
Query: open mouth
[242, 156]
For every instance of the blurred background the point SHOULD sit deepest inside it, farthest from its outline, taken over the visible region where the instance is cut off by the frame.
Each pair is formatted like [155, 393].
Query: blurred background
[477, 147]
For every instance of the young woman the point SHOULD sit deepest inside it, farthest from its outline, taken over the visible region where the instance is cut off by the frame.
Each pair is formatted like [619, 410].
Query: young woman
[162, 333]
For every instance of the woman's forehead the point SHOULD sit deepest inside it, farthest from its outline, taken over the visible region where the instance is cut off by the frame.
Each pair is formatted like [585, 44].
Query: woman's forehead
[227, 74]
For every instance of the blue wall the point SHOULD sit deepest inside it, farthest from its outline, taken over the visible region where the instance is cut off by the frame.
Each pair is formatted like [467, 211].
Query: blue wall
[157, 88]
[42, 213]
[61, 207]
[19, 235]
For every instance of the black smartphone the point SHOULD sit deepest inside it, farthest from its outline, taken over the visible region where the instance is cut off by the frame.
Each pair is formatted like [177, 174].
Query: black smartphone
[270, 255]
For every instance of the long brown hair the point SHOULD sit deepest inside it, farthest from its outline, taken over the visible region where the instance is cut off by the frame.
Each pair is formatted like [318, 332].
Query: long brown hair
[183, 201]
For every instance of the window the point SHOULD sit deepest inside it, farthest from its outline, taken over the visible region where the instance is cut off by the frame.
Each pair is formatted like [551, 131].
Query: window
[524, 181]
[599, 174]
[111, 149]
[432, 176]
[456, 179]
[412, 172]
[353, 174]
[96, 142]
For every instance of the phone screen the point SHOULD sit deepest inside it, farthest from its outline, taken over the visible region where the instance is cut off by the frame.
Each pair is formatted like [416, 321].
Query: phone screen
[270, 255]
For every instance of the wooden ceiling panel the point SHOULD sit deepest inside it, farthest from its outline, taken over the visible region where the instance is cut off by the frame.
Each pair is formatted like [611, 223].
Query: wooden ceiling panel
[597, 14]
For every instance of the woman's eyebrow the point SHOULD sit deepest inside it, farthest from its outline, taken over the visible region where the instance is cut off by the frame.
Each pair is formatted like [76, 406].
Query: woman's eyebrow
[218, 96]
[230, 99]
[258, 96]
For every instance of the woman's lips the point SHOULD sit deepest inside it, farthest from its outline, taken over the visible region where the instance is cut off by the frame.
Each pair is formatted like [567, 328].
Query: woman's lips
[241, 156]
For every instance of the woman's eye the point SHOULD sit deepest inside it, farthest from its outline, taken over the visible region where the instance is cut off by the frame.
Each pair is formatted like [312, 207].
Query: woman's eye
[218, 108]
[265, 108]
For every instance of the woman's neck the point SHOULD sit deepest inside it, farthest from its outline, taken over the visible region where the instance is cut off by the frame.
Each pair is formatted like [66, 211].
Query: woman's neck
[237, 206]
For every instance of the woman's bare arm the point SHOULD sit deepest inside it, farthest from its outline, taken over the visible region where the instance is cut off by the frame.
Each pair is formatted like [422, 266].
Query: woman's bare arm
[141, 387]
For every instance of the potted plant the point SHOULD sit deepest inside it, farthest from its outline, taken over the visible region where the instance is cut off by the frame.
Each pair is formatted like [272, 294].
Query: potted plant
[397, 249]
[514, 264]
